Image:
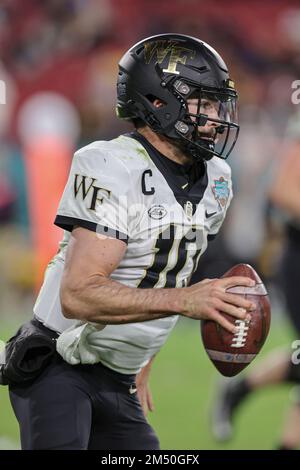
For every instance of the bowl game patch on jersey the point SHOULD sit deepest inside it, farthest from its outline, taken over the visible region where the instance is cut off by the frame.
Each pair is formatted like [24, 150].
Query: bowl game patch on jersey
[221, 191]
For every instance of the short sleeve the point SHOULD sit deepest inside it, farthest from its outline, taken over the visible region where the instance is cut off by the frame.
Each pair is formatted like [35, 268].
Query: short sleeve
[96, 195]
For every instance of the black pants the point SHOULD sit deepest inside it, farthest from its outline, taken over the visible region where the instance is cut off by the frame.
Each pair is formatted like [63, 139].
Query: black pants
[81, 407]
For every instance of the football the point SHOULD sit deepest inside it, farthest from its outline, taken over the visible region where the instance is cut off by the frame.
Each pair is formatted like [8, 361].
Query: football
[231, 353]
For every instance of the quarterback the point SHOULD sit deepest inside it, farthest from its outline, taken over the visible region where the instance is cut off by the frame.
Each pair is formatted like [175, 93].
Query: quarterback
[137, 212]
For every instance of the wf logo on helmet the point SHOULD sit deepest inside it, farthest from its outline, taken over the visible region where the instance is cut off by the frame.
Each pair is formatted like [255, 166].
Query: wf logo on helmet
[161, 49]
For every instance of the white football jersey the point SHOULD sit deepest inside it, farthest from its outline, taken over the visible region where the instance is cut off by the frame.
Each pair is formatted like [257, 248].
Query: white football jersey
[126, 189]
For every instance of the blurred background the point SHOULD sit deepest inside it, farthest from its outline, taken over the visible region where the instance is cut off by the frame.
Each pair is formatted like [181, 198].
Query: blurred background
[58, 68]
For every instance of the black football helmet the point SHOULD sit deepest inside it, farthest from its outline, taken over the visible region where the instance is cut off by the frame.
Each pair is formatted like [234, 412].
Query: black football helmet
[174, 68]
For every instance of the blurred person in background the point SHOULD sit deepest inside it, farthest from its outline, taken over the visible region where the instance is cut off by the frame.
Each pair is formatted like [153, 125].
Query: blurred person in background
[280, 366]
[113, 293]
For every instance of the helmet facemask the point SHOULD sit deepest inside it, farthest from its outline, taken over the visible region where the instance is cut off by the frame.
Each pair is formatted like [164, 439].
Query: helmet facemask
[212, 129]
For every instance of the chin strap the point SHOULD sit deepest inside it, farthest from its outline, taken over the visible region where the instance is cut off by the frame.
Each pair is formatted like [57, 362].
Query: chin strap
[203, 150]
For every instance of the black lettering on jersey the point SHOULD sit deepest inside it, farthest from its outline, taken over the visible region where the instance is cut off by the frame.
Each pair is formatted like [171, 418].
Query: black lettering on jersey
[95, 197]
[165, 244]
[82, 185]
[162, 249]
[84, 191]
[146, 191]
[182, 254]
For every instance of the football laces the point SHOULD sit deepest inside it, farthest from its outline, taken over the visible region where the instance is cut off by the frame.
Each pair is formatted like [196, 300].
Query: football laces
[240, 337]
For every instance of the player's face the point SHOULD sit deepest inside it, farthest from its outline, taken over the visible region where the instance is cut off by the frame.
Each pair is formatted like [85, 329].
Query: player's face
[211, 109]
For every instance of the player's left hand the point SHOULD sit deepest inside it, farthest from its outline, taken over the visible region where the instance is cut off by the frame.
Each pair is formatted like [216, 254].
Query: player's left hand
[143, 389]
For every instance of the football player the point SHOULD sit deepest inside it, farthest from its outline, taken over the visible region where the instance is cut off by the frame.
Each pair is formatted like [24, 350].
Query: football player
[138, 212]
[280, 366]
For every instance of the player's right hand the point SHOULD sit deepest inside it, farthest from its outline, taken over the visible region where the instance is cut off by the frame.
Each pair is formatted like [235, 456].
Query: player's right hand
[208, 299]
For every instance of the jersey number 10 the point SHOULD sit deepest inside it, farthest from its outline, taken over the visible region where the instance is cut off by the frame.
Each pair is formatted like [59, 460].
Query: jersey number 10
[172, 254]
